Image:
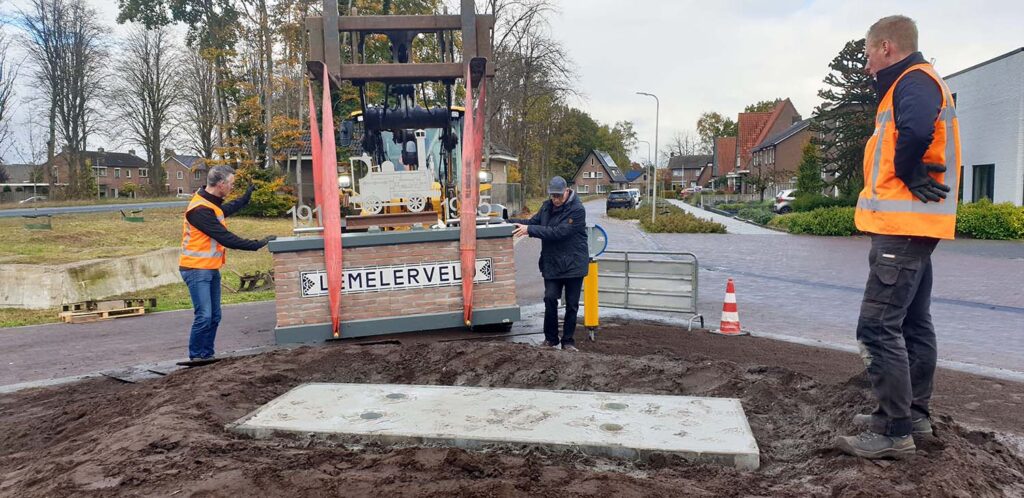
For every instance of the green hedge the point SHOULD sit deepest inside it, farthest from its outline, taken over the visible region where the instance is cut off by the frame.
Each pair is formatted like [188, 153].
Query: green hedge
[270, 200]
[831, 221]
[760, 215]
[810, 202]
[670, 219]
[984, 220]
[980, 220]
[681, 222]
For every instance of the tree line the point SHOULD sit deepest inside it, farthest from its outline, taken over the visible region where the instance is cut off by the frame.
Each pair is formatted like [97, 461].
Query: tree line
[232, 90]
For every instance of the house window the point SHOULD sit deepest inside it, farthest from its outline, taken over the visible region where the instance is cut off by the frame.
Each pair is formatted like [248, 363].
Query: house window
[584, 189]
[602, 188]
[117, 174]
[600, 174]
[143, 172]
[128, 173]
[196, 176]
[180, 190]
[984, 181]
[181, 175]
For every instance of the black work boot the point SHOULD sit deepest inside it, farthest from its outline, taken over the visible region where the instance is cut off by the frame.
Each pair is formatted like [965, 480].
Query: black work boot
[922, 426]
[874, 445]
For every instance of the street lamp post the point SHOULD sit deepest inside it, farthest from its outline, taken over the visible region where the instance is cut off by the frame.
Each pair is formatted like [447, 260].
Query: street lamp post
[654, 182]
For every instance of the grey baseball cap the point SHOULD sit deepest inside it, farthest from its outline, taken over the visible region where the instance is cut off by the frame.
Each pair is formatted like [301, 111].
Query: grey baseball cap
[557, 185]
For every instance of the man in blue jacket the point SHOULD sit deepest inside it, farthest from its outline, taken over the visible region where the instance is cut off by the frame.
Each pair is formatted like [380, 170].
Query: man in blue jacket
[561, 226]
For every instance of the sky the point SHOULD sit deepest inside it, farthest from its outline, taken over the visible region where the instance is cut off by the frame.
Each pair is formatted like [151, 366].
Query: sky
[718, 55]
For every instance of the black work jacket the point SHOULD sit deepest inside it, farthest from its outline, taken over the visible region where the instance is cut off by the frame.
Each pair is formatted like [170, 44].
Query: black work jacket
[563, 235]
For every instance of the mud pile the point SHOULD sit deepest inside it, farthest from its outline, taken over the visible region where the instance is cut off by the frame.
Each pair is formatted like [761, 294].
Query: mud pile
[167, 436]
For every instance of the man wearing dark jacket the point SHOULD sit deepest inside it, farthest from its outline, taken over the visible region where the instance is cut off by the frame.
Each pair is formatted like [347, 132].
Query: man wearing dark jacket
[561, 225]
[204, 243]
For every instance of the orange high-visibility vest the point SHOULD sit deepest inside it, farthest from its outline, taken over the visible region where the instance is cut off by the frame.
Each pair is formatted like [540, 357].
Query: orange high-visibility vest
[886, 206]
[199, 250]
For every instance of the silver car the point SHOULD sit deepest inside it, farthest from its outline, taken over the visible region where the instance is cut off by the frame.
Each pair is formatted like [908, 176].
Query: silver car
[784, 201]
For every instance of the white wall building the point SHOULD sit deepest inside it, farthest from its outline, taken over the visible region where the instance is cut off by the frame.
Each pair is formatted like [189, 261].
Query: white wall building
[990, 105]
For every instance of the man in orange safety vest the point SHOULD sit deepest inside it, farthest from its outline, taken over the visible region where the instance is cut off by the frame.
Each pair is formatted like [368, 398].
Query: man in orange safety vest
[908, 204]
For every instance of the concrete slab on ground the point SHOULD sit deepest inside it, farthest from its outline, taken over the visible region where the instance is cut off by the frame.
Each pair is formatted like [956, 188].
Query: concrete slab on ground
[610, 424]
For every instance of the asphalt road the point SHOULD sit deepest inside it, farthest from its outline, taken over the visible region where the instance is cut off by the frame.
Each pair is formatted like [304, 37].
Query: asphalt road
[96, 208]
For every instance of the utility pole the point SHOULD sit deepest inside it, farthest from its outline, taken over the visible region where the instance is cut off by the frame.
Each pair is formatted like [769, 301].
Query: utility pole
[654, 181]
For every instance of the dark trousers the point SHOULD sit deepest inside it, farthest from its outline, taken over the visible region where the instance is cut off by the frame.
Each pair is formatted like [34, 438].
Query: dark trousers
[552, 291]
[895, 332]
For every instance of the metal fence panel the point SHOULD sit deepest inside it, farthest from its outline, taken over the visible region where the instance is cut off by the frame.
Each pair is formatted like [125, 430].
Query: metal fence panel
[649, 280]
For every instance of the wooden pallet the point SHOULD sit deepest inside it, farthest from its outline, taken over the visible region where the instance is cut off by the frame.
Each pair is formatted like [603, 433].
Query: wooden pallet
[111, 304]
[92, 316]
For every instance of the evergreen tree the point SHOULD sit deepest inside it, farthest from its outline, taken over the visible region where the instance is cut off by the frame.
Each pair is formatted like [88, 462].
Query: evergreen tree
[845, 119]
[808, 176]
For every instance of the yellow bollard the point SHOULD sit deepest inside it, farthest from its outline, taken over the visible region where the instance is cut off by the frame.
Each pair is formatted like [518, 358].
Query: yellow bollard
[590, 315]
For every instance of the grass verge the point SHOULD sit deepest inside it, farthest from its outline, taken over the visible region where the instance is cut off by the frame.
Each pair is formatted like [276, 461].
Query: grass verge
[103, 235]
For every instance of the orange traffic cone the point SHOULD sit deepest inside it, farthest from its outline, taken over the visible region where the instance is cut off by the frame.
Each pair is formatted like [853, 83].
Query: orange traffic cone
[730, 313]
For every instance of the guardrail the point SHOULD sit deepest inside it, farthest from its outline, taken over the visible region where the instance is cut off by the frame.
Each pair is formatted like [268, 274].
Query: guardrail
[650, 280]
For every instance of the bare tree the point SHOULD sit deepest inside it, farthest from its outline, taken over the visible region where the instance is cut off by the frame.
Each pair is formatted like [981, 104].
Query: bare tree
[199, 102]
[8, 76]
[148, 87]
[65, 43]
[683, 143]
[537, 76]
[261, 44]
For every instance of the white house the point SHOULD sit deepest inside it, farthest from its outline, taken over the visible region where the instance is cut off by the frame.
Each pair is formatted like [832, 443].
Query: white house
[990, 106]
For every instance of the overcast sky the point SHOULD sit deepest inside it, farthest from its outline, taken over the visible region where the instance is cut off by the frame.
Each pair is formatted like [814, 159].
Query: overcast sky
[721, 55]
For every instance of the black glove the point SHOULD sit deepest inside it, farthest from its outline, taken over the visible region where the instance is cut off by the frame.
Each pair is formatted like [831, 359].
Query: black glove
[252, 186]
[266, 240]
[926, 189]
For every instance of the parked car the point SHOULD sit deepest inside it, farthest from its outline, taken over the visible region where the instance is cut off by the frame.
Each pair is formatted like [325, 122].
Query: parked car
[635, 192]
[784, 201]
[184, 195]
[619, 199]
[34, 198]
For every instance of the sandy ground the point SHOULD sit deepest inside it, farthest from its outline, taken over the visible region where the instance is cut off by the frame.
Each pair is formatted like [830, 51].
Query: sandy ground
[167, 437]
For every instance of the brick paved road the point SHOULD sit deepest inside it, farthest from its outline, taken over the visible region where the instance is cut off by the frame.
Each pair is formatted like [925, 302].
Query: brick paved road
[811, 287]
[797, 286]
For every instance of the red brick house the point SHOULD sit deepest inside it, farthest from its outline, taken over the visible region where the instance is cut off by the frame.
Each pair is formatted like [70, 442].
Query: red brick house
[598, 174]
[725, 162]
[113, 170]
[686, 171]
[754, 129]
[185, 174]
[779, 155]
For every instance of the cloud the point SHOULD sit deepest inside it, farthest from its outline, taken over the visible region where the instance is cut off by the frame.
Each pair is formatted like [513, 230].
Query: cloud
[702, 56]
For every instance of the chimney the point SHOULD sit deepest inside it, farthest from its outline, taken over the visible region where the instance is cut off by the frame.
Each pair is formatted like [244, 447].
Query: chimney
[168, 153]
[131, 152]
[100, 150]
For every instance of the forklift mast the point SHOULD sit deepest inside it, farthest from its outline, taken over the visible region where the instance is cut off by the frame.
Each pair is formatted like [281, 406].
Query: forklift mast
[399, 115]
